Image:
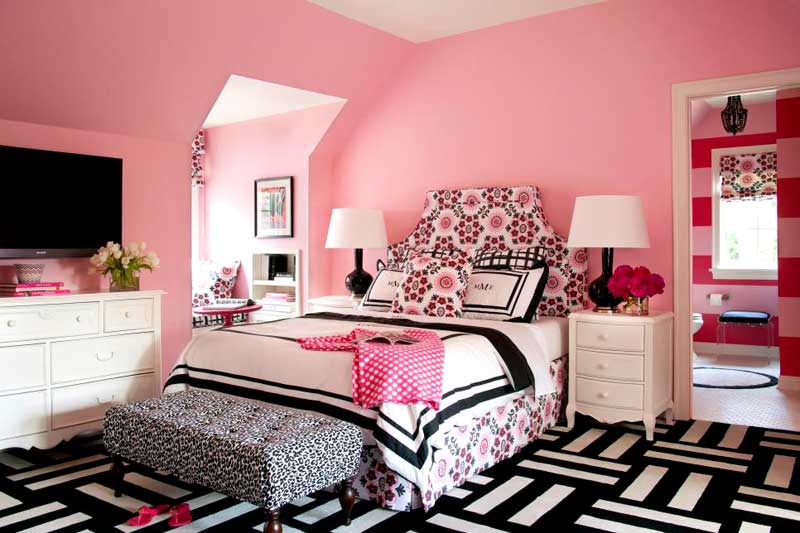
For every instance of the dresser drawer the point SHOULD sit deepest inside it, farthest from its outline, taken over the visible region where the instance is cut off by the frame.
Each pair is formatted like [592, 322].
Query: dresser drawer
[609, 394]
[47, 321]
[611, 366]
[23, 414]
[88, 402]
[106, 356]
[28, 364]
[124, 315]
[610, 336]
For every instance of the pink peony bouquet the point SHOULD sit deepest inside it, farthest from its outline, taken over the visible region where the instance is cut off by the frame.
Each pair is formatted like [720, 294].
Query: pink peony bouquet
[635, 284]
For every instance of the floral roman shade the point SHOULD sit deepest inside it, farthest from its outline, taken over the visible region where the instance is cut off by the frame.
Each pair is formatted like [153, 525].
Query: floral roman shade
[749, 176]
[198, 154]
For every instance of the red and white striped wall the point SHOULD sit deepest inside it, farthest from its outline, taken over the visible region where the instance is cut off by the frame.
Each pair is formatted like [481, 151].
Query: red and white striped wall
[788, 141]
[759, 295]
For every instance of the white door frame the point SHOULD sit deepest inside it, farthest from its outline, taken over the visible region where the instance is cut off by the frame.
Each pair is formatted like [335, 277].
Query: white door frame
[682, 94]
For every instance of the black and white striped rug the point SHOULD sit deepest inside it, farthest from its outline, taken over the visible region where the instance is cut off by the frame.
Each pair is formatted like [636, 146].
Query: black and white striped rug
[696, 476]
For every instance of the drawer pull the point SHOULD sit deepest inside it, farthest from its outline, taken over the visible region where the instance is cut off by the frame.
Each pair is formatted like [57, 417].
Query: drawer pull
[127, 314]
[603, 366]
[602, 395]
[78, 318]
[11, 323]
[602, 337]
[101, 357]
[103, 400]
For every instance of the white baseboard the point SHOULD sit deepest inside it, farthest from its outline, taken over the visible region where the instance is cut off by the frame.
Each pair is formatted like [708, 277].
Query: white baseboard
[713, 348]
[789, 383]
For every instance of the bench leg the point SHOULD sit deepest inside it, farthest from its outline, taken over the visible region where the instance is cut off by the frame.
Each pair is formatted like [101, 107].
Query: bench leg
[347, 497]
[117, 474]
[273, 524]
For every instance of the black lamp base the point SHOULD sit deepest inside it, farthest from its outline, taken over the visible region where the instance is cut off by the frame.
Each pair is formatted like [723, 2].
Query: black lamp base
[358, 281]
[604, 301]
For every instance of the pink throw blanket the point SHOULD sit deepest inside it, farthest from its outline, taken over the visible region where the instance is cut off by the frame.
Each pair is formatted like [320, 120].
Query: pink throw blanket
[385, 372]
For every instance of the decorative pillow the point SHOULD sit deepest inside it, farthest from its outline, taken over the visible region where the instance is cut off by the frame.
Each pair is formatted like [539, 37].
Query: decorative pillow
[380, 294]
[495, 294]
[211, 281]
[517, 258]
[433, 286]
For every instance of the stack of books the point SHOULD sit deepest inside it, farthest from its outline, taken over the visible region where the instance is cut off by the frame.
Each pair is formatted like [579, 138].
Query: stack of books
[40, 288]
[279, 302]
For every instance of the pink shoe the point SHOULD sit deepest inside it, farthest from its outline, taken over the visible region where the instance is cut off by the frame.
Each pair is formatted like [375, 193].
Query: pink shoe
[180, 515]
[146, 514]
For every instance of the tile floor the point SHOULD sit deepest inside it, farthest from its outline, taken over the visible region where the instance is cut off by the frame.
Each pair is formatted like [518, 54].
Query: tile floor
[766, 407]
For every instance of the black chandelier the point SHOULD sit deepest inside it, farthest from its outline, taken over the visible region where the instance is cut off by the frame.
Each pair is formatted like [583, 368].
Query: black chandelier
[734, 116]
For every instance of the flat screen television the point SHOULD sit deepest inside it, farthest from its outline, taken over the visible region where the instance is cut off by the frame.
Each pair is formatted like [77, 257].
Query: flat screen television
[57, 204]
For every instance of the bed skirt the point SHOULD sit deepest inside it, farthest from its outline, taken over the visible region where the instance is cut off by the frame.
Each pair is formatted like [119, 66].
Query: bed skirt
[468, 450]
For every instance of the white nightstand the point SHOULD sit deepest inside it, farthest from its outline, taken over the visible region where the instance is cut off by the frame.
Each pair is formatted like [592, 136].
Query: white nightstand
[620, 367]
[332, 304]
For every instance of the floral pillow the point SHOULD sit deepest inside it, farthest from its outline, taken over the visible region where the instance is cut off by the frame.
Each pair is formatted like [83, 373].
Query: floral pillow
[433, 283]
[211, 281]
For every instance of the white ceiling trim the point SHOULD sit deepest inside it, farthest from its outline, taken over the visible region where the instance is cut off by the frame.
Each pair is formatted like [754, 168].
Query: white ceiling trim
[246, 99]
[425, 20]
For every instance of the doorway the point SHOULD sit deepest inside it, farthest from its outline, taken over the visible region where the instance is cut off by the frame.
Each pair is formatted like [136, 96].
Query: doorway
[684, 264]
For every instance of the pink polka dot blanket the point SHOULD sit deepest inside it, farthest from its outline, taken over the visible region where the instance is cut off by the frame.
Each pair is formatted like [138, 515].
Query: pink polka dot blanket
[500, 218]
[390, 367]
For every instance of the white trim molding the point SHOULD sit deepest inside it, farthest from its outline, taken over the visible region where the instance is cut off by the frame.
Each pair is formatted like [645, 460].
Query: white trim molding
[682, 95]
[718, 348]
[789, 383]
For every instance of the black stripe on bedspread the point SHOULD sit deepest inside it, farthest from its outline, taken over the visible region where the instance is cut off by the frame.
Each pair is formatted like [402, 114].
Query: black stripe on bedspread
[513, 358]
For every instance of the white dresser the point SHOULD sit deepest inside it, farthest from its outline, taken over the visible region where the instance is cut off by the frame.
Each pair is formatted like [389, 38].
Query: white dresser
[66, 359]
[620, 367]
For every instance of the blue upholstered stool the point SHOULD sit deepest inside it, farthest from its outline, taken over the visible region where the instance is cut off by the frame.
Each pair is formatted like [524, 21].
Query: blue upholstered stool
[746, 318]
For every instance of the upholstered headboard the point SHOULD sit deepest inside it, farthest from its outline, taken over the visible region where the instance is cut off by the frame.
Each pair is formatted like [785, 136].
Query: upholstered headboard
[501, 217]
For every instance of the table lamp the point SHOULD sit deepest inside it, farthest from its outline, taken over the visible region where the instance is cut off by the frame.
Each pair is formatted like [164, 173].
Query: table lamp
[607, 222]
[357, 228]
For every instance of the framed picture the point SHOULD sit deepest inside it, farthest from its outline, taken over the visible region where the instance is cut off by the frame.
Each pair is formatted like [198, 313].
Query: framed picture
[273, 207]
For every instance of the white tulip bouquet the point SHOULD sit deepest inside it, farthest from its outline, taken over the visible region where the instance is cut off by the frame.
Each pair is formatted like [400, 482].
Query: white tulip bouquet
[123, 264]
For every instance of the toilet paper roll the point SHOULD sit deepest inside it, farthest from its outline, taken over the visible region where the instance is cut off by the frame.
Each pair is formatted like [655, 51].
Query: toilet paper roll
[715, 299]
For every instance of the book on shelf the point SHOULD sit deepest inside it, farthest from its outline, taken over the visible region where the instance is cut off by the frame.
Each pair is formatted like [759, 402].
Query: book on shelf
[37, 286]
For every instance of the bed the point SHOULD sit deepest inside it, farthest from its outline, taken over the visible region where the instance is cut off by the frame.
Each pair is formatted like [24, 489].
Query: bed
[504, 382]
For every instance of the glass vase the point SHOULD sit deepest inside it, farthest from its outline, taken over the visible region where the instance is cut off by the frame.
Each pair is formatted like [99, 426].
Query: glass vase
[124, 281]
[636, 306]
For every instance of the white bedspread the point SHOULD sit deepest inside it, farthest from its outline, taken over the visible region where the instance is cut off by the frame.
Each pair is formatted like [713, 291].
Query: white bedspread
[262, 361]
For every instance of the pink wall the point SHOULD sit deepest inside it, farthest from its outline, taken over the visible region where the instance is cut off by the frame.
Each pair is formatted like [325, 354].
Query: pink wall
[760, 295]
[155, 208]
[577, 102]
[237, 154]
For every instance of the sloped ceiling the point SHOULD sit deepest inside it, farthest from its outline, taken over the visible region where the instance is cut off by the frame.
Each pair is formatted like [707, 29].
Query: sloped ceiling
[154, 69]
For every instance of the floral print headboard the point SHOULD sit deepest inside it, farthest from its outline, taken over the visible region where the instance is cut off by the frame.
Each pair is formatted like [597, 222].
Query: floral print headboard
[501, 217]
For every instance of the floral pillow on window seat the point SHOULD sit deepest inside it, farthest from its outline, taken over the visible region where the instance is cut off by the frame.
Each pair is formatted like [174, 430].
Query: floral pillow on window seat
[211, 281]
[434, 283]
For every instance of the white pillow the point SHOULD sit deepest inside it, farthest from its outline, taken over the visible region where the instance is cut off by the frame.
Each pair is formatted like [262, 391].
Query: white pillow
[380, 294]
[504, 294]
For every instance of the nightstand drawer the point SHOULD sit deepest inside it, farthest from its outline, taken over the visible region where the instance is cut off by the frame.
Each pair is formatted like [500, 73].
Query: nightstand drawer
[610, 366]
[628, 338]
[608, 394]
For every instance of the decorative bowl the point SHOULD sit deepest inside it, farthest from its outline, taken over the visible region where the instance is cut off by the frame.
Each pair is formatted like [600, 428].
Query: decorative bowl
[29, 273]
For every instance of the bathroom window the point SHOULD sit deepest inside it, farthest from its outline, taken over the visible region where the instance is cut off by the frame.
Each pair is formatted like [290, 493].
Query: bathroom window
[745, 221]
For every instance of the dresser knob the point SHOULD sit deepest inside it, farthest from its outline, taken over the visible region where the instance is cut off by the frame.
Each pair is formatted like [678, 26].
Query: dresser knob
[11, 323]
[101, 357]
[603, 366]
[78, 318]
[603, 395]
[127, 314]
[102, 400]
[603, 337]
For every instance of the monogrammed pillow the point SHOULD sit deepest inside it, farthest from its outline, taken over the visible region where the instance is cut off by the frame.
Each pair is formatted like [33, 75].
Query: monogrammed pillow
[494, 294]
[433, 286]
[380, 294]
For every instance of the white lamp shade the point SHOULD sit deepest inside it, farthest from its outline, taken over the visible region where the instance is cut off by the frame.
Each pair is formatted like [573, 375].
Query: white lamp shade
[608, 222]
[356, 227]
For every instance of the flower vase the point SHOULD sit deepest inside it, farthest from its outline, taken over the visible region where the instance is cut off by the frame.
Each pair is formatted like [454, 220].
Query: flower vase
[124, 283]
[636, 306]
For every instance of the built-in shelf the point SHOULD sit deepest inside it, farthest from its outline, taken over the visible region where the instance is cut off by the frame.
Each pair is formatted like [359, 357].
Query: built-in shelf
[263, 282]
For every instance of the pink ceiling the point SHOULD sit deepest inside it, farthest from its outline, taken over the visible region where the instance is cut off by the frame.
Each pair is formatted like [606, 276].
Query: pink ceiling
[154, 68]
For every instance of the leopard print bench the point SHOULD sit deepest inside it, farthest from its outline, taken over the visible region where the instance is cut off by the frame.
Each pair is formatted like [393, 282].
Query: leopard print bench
[260, 454]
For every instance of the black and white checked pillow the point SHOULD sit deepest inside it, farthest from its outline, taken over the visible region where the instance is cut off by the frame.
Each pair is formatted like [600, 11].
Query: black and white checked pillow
[505, 294]
[520, 258]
